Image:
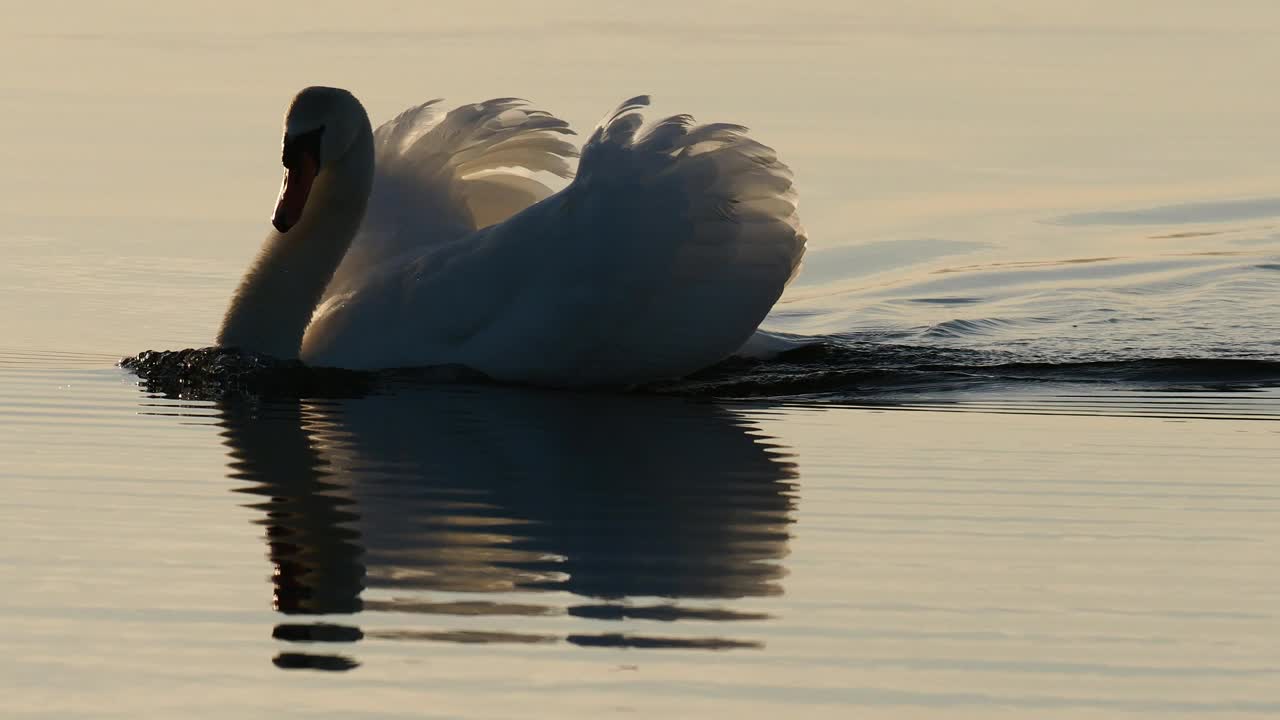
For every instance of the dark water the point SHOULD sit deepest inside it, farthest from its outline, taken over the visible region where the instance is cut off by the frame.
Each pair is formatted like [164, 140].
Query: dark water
[847, 370]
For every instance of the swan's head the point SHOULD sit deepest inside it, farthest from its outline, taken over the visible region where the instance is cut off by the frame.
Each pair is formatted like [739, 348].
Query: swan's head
[322, 124]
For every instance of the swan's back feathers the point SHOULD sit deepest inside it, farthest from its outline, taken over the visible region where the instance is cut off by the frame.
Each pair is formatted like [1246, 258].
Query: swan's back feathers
[681, 237]
[439, 176]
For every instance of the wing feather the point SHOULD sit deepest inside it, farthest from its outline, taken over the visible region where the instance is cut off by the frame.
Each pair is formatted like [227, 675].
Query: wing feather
[672, 243]
[441, 175]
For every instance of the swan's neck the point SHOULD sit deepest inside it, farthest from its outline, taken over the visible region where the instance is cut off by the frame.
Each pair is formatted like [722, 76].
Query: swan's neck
[272, 307]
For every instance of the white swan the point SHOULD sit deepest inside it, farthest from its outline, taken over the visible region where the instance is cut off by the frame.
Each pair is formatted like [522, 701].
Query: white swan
[431, 242]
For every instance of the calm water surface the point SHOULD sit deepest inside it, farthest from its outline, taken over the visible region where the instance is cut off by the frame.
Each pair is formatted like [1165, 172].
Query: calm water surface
[1029, 470]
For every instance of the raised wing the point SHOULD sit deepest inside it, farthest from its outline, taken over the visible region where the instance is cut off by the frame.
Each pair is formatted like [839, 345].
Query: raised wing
[661, 257]
[439, 176]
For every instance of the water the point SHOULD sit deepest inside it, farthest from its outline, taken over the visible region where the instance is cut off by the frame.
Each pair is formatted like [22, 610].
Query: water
[1026, 468]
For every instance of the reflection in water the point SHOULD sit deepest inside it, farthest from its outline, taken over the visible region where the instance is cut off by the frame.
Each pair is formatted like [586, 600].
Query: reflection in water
[475, 505]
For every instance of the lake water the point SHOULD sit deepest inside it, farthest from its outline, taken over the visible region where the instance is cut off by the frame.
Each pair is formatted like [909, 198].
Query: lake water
[1028, 470]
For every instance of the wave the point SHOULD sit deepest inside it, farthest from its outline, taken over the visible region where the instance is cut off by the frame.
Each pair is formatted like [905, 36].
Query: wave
[838, 369]
[825, 368]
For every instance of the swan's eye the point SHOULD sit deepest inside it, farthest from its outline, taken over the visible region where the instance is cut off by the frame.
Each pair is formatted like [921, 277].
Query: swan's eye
[307, 143]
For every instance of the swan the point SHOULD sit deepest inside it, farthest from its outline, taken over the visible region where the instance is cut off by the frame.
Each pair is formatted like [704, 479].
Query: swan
[435, 241]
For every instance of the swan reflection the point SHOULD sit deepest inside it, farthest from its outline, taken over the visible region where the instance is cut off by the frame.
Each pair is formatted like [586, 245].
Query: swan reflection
[482, 514]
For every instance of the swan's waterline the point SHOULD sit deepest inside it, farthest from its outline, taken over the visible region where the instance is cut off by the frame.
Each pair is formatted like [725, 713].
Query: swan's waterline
[823, 370]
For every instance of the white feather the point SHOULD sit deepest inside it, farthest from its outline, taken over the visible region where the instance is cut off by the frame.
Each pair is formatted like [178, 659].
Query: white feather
[440, 176]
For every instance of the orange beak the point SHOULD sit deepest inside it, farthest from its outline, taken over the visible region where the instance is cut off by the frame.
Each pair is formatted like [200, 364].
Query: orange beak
[294, 192]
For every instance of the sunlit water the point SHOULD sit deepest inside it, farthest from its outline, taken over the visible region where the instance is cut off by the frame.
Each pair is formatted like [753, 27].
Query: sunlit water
[1027, 470]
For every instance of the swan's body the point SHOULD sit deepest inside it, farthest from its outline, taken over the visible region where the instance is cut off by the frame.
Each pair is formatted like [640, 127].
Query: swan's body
[661, 257]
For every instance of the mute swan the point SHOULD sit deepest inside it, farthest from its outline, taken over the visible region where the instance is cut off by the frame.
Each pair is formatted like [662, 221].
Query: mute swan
[431, 242]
